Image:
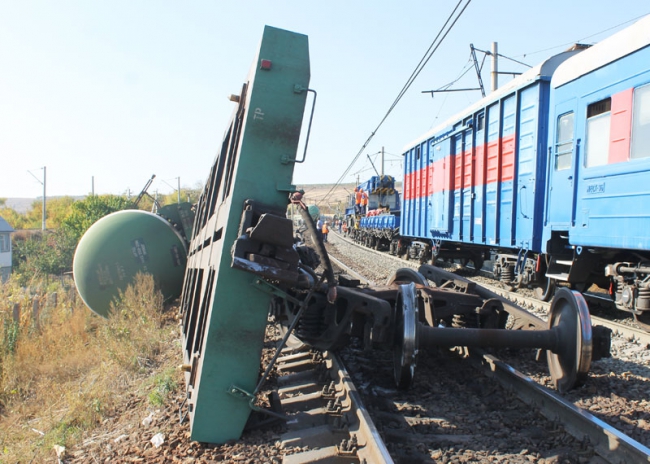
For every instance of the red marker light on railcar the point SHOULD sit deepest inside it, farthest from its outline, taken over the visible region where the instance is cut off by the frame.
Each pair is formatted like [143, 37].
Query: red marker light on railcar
[265, 64]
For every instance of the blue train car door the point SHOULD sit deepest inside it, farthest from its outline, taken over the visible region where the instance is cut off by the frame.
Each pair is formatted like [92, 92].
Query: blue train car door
[478, 183]
[564, 151]
[465, 183]
[415, 212]
[460, 193]
[528, 165]
[441, 168]
[492, 170]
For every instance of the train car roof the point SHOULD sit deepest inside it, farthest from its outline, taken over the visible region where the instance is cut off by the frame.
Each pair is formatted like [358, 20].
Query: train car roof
[622, 43]
[541, 71]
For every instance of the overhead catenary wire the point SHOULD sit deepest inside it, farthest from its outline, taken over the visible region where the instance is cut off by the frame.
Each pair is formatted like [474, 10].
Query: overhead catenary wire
[437, 41]
[584, 38]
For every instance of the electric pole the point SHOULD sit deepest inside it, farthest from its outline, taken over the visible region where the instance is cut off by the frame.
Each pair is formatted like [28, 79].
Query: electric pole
[495, 67]
[44, 190]
[44, 210]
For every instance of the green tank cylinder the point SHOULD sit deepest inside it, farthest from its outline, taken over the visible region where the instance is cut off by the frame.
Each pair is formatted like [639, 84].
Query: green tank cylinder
[117, 247]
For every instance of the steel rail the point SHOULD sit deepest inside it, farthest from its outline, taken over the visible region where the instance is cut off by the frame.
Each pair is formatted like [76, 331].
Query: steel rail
[325, 412]
[350, 271]
[610, 443]
[374, 450]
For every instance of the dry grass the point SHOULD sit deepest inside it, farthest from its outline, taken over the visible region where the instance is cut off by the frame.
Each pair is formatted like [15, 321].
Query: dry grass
[60, 377]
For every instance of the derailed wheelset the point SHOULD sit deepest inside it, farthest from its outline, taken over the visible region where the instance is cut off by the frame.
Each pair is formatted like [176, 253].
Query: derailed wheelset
[568, 340]
[409, 313]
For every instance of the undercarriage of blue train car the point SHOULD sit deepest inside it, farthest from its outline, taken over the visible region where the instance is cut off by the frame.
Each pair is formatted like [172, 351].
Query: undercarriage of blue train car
[625, 274]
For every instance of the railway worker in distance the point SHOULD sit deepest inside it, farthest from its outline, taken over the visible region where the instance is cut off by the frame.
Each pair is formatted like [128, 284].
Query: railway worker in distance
[358, 193]
[364, 202]
[325, 230]
[339, 224]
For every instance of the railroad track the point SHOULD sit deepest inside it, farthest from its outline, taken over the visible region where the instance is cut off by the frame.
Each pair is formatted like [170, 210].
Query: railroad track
[326, 417]
[607, 441]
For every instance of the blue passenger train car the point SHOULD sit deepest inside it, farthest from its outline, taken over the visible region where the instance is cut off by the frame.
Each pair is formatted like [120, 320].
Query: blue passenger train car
[597, 213]
[477, 182]
[549, 175]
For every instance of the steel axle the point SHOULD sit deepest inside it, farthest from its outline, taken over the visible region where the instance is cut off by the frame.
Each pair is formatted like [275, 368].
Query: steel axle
[567, 341]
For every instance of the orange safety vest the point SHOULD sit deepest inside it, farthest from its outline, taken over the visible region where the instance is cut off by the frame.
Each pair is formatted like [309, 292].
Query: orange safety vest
[325, 229]
[364, 199]
[358, 197]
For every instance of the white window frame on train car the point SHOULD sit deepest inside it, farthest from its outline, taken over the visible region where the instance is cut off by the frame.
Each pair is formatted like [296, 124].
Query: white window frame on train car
[597, 131]
[564, 145]
[640, 137]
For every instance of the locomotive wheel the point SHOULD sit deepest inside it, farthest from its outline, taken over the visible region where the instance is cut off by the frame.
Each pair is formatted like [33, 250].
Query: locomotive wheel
[405, 340]
[545, 291]
[406, 274]
[570, 363]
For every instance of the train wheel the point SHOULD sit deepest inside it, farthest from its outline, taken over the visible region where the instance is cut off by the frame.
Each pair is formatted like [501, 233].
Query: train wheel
[545, 291]
[406, 274]
[405, 343]
[570, 361]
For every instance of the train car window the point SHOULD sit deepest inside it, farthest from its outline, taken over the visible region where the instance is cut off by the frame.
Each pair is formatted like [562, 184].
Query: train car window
[597, 137]
[640, 145]
[480, 122]
[564, 142]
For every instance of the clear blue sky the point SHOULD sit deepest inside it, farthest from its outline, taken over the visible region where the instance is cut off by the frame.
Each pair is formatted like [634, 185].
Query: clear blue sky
[120, 90]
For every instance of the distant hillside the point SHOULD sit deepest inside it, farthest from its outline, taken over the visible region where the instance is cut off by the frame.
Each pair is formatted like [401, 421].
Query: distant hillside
[20, 205]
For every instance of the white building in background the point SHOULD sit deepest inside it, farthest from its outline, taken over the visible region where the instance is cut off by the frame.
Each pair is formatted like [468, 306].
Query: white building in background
[5, 249]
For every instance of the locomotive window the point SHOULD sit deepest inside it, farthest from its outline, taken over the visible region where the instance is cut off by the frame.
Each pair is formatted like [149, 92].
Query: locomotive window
[564, 142]
[640, 145]
[598, 122]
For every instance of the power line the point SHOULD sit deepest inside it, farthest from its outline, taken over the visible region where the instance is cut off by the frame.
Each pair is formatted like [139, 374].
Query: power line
[442, 34]
[584, 38]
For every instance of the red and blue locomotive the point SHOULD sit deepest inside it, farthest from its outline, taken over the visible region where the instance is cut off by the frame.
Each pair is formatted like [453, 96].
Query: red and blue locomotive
[549, 176]
[378, 224]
